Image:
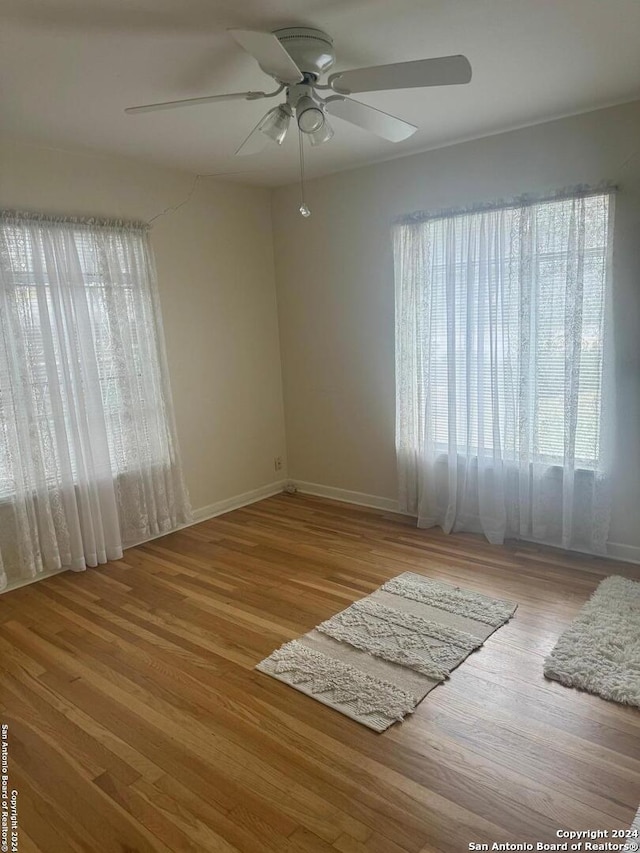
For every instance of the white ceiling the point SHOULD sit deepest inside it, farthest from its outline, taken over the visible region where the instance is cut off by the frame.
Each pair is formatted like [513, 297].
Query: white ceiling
[69, 67]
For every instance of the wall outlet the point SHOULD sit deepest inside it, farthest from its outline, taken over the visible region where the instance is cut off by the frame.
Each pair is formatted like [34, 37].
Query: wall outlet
[277, 463]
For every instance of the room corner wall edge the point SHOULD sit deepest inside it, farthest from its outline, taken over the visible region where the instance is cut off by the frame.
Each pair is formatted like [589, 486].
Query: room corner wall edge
[615, 550]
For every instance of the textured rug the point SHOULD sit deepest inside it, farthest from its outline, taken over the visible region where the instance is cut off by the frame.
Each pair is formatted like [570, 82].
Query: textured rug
[600, 650]
[376, 660]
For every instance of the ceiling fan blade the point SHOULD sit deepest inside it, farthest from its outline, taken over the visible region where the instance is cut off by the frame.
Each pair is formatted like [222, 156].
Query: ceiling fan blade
[191, 102]
[269, 53]
[382, 124]
[440, 71]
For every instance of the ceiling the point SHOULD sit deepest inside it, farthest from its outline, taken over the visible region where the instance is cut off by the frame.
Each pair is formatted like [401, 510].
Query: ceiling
[68, 68]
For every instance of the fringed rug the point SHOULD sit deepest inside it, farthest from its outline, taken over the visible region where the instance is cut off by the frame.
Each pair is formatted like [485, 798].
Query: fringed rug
[600, 650]
[376, 660]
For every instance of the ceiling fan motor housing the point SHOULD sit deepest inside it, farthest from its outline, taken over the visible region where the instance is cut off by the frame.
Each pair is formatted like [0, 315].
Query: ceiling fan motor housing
[311, 49]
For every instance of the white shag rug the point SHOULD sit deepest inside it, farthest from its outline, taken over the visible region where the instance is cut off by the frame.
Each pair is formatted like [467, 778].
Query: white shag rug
[376, 660]
[600, 651]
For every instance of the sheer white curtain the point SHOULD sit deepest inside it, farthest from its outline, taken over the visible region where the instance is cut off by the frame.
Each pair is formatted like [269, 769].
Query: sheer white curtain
[89, 462]
[503, 367]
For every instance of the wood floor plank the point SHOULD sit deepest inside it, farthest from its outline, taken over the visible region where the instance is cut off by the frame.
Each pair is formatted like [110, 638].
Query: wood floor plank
[137, 721]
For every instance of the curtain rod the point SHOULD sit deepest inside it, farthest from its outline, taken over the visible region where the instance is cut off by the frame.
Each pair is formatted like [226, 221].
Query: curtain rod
[18, 216]
[524, 200]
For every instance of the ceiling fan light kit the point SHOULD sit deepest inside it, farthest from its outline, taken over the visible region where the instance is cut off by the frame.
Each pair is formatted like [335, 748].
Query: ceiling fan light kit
[276, 123]
[309, 115]
[296, 58]
[324, 134]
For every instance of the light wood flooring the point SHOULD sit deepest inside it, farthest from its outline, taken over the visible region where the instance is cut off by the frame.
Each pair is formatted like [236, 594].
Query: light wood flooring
[137, 722]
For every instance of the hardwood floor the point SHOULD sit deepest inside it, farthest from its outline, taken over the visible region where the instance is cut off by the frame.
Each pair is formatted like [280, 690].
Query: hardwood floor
[137, 722]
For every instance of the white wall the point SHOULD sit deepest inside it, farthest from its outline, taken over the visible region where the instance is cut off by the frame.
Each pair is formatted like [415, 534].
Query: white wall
[216, 279]
[336, 298]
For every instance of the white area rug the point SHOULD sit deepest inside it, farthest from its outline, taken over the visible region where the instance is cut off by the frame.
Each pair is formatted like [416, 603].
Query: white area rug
[376, 660]
[600, 651]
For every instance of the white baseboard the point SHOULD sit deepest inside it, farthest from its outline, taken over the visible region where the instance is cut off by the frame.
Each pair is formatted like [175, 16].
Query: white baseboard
[628, 553]
[27, 581]
[226, 505]
[360, 498]
[615, 550]
[201, 514]
[204, 513]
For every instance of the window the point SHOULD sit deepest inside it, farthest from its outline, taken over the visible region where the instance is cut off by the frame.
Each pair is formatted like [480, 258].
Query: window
[507, 329]
[504, 387]
[79, 336]
[89, 463]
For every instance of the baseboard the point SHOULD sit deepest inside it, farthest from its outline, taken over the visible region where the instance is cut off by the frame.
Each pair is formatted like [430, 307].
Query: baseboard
[201, 514]
[238, 501]
[204, 513]
[620, 553]
[628, 553]
[360, 498]
[10, 587]
[615, 550]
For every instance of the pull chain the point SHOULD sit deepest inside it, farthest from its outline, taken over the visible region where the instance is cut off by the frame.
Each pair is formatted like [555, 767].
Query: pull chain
[304, 210]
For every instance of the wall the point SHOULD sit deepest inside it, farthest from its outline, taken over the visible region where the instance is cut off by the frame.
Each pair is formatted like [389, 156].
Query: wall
[218, 301]
[336, 296]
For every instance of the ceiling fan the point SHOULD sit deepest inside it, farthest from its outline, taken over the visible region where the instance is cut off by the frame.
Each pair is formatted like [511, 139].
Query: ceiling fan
[297, 57]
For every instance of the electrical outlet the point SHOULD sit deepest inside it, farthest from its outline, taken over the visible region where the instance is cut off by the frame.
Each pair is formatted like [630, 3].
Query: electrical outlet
[277, 463]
